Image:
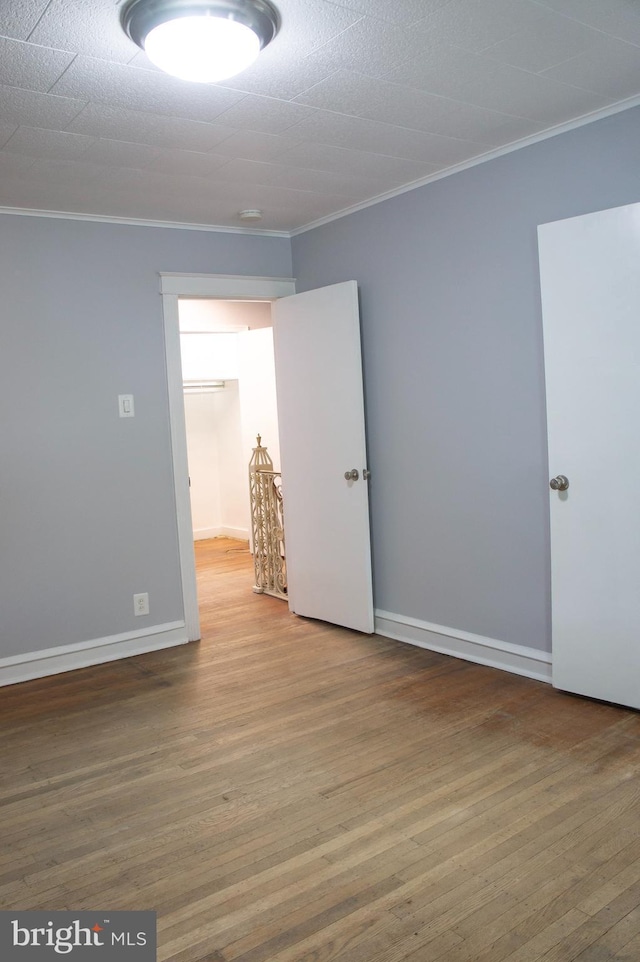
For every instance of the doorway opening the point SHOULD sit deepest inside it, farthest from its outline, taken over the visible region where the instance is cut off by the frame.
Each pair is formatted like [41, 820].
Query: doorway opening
[229, 389]
[233, 291]
[229, 386]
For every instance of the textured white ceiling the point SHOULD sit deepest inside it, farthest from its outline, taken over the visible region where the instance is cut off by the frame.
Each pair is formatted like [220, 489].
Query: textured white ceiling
[352, 100]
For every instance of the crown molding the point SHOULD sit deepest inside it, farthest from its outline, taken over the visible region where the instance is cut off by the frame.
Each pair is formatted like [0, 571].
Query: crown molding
[137, 222]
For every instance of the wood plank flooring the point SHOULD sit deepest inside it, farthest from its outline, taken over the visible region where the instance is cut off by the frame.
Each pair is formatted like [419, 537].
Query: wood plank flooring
[287, 791]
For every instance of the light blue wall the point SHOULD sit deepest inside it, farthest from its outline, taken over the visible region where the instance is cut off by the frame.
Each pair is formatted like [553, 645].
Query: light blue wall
[454, 378]
[87, 515]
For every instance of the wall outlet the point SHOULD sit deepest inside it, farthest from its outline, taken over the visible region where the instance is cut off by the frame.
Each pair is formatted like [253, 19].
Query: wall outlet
[141, 603]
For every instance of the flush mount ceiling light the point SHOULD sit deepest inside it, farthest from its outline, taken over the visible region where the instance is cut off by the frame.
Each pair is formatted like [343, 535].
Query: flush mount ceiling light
[201, 40]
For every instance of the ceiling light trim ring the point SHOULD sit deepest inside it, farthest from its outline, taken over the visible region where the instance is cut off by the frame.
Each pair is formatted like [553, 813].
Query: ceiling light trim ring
[139, 17]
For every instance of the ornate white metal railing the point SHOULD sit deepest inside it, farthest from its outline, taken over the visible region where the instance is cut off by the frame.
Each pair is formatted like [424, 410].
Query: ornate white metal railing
[267, 524]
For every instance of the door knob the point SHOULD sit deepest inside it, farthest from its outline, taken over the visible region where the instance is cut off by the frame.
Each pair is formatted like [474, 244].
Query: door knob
[352, 475]
[560, 483]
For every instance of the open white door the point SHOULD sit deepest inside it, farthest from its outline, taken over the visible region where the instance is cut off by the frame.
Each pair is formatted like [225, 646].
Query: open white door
[590, 274]
[322, 436]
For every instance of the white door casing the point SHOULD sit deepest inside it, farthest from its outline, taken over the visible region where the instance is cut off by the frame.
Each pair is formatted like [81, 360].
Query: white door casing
[590, 278]
[322, 435]
[173, 286]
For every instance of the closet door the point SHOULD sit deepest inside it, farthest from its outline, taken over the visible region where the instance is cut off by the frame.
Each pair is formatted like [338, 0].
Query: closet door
[590, 275]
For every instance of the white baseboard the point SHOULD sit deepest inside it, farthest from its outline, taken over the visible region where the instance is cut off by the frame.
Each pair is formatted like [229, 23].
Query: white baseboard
[517, 659]
[240, 534]
[52, 661]
[202, 534]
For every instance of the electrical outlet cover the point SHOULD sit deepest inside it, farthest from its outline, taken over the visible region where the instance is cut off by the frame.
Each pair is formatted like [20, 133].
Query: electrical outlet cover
[141, 604]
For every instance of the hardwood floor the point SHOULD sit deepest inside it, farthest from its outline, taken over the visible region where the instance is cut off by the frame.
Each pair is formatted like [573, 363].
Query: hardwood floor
[287, 791]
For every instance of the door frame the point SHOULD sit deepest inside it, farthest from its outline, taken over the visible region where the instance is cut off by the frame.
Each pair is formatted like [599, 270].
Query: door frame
[215, 286]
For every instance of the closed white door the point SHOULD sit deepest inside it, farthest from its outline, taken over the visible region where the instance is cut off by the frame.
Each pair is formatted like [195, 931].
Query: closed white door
[322, 437]
[590, 275]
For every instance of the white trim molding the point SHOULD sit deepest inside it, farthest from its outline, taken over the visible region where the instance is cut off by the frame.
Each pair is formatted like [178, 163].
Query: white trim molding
[53, 661]
[517, 659]
[226, 286]
[139, 222]
[204, 534]
[178, 430]
[238, 534]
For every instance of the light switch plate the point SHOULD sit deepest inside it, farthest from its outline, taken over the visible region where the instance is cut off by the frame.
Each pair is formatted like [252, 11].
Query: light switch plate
[125, 406]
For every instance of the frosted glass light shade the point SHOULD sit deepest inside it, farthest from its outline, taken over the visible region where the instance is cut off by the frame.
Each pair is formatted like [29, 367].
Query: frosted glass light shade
[202, 49]
[201, 40]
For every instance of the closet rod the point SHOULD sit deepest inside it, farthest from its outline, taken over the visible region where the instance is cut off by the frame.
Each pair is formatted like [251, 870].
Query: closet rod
[202, 387]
